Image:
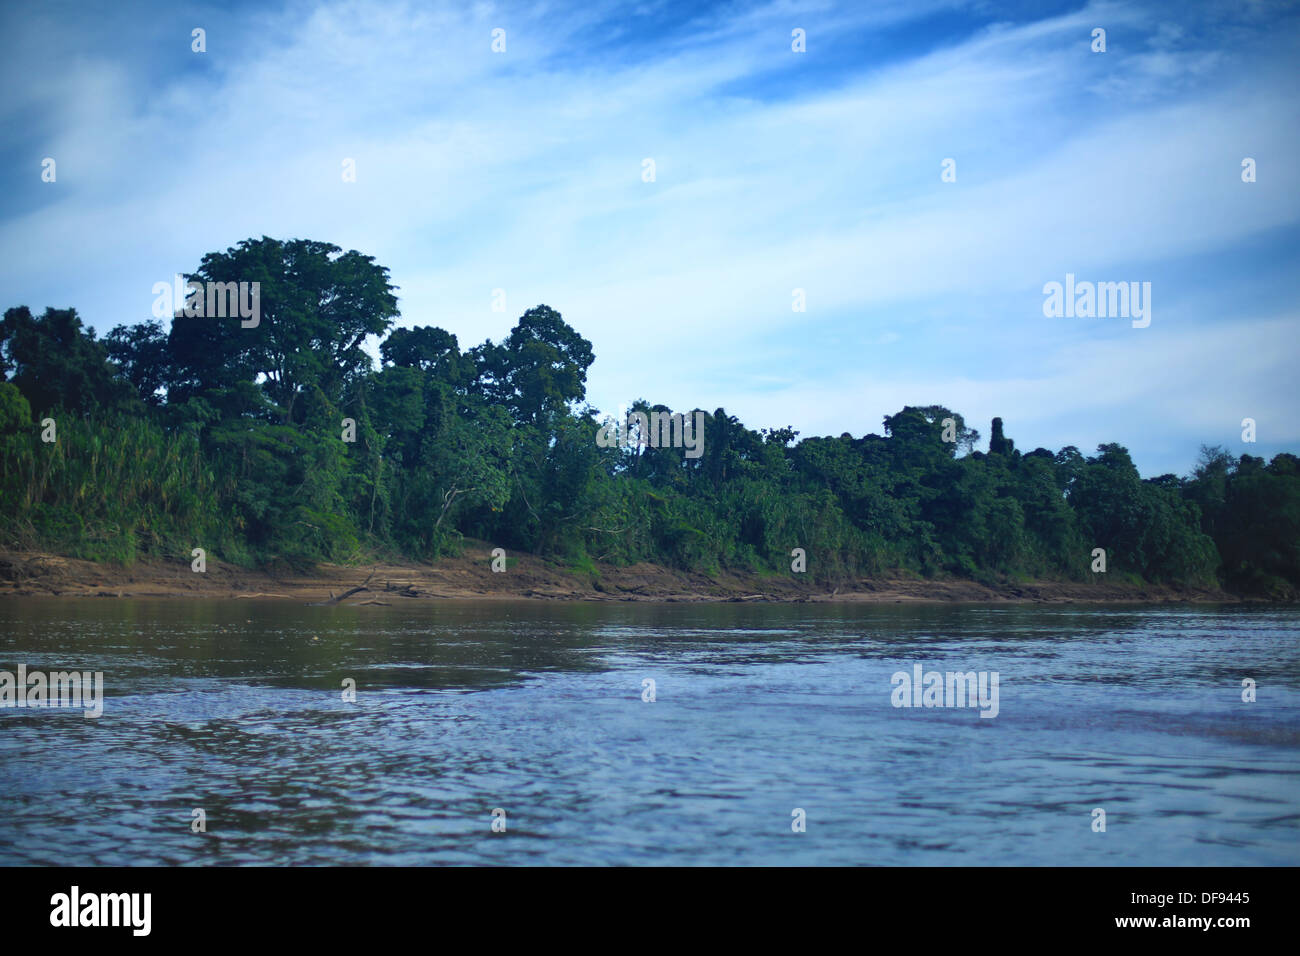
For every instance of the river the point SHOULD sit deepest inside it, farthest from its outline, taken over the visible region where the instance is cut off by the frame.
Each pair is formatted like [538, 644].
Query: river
[765, 720]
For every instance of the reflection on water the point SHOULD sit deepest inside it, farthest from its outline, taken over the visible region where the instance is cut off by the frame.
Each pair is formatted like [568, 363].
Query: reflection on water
[235, 707]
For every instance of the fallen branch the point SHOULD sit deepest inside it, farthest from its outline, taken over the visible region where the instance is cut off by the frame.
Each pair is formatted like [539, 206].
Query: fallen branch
[346, 594]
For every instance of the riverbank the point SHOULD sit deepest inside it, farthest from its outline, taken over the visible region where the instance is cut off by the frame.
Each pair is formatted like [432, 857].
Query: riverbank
[469, 576]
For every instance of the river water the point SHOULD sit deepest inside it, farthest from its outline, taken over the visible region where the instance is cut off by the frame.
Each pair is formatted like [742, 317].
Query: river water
[236, 708]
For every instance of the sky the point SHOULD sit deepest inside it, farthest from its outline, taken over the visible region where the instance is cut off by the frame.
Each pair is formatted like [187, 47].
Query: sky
[523, 170]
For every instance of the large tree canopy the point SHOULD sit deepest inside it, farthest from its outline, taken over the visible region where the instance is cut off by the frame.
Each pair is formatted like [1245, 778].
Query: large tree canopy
[539, 369]
[318, 305]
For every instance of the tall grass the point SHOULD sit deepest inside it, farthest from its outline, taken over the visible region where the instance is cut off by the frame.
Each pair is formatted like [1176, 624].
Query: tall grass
[115, 489]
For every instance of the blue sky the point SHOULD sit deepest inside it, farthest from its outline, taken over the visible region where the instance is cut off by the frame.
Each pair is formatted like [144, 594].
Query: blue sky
[775, 170]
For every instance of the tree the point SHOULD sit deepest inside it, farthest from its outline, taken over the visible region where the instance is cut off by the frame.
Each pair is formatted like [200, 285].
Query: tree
[431, 350]
[57, 364]
[540, 369]
[140, 353]
[999, 444]
[317, 305]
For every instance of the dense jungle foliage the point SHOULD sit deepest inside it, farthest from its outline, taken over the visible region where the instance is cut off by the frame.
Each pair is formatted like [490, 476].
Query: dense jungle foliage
[213, 434]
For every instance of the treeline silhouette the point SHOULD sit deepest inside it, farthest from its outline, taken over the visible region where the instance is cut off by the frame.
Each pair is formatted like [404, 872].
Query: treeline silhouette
[232, 438]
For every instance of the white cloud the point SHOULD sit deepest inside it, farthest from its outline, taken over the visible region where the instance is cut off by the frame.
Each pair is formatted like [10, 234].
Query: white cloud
[522, 170]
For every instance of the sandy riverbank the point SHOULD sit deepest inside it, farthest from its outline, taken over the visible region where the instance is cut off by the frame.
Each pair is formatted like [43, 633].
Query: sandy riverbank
[469, 576]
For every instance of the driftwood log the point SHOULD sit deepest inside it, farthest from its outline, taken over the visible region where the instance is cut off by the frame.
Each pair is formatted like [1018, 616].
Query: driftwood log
[405, 591]
[345, 595]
